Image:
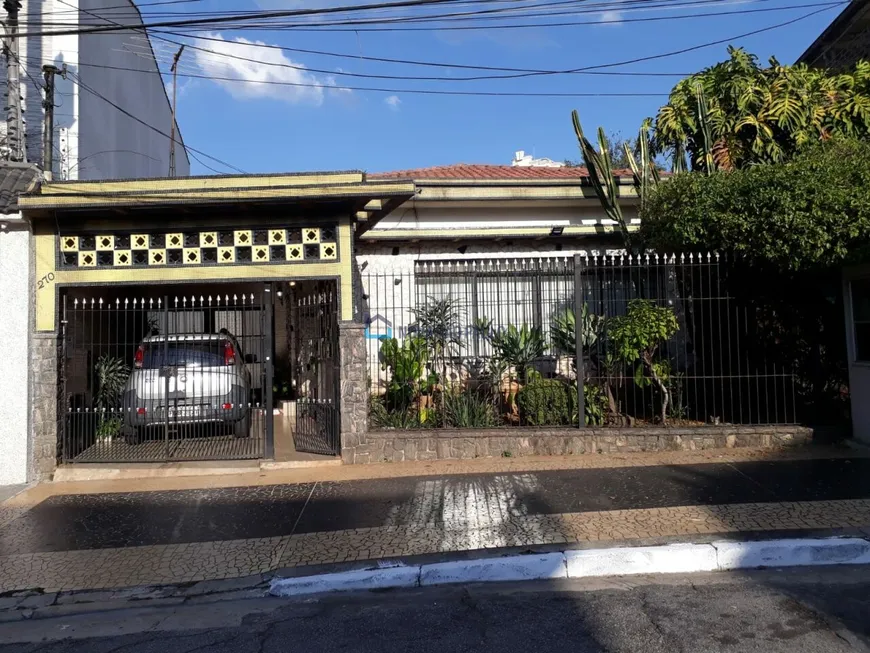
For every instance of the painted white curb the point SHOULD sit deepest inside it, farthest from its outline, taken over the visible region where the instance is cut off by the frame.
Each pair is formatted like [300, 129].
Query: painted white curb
[524, 567]
[668, 559]
[792, 553]
[366, 579]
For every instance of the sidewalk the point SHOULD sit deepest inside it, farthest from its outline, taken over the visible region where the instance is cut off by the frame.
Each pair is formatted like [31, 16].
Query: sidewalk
[123, 533]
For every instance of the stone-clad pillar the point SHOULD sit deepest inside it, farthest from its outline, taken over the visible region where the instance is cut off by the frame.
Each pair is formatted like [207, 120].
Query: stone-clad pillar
[354, 398]
[43, 400]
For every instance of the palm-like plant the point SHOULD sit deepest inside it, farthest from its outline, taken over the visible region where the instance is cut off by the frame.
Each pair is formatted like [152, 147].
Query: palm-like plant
[600, 168]
[737, 113]
[111, 376]
[437, 322]
[518, 347]
[563, 329]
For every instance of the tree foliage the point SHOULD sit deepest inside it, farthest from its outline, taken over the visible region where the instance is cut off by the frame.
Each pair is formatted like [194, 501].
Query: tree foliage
[738, 113]
[635, 338]
[812, 212]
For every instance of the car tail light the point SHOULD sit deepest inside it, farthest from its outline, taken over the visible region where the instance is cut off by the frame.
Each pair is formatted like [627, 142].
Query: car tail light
[227, 406]
[229, 353]
[139, 358]
[140, 411]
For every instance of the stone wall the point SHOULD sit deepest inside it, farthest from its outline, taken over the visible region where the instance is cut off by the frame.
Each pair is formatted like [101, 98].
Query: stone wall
[354, 399]
[450, 444]
[43, 401]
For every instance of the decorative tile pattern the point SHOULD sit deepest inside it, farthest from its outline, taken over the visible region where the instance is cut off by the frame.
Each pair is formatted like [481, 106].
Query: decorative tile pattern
[194, 248]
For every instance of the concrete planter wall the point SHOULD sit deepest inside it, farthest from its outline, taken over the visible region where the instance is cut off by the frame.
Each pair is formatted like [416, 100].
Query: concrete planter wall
[455, 444]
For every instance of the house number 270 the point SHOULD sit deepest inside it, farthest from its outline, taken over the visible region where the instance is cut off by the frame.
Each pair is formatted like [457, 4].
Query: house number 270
[47, 279]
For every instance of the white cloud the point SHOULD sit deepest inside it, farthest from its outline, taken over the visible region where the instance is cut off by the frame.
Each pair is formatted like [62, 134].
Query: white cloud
[267, 72]
[611, 17]
[393, 101]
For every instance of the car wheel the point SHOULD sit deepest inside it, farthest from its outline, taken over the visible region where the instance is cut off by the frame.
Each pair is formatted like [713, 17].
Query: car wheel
[242, 428]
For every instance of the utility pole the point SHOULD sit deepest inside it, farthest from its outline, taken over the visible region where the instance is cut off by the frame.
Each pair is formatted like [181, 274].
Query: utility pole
[49, 72]
[174, 70]
[13, 85]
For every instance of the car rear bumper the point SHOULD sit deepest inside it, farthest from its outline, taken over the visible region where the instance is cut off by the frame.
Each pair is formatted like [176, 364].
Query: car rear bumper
[140, 413]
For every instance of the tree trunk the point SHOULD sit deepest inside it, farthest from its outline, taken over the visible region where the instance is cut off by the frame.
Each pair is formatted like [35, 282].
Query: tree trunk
[666, 395]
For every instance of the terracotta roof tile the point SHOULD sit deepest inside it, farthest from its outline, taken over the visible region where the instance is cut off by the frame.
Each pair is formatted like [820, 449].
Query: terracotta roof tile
[469, 171]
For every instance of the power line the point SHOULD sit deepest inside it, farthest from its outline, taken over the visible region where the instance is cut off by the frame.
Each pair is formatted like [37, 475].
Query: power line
[514, 8]
[488, 93]
[489, 15]
[216, 20]
[411, 62]
[77, 80]
[517, 75]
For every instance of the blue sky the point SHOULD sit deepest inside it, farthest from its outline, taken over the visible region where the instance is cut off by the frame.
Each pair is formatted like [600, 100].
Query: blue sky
[279, 128]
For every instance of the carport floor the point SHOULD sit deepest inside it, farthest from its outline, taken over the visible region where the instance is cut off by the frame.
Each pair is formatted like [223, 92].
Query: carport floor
[223, 447]
[285, 447]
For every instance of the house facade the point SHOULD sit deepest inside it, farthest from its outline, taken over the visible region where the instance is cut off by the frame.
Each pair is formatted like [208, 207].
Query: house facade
[463, 221]
[250, 279]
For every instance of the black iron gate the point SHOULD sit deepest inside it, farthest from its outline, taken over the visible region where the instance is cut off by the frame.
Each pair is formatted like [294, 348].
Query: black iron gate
[166, 377]
[317, 373]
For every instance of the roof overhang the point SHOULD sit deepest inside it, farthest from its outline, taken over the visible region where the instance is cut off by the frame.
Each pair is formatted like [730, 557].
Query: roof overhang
[366, 201]
[429, 192]
[847, 32]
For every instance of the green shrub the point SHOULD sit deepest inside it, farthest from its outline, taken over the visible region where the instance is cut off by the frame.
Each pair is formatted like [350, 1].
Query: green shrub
[595, 404]
[546, 402]
[469, 410]
[402, 417]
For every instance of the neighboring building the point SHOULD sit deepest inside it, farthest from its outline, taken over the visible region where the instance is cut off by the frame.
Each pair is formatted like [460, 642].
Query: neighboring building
[845, 42]
[93, 139]
[528, 161]
[466, 218]
[487, 211]
[15, 298]
[856, 292]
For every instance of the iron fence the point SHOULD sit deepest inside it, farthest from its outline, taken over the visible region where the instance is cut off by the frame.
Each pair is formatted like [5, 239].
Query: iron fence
[154, 378]
[494, 342]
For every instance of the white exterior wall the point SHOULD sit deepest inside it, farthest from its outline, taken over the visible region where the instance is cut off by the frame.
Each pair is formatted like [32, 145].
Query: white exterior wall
[94, 140]
[15, 299]
[387, 266]
[470, 216]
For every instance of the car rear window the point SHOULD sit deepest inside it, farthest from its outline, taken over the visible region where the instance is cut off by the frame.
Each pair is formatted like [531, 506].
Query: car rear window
[208, 353]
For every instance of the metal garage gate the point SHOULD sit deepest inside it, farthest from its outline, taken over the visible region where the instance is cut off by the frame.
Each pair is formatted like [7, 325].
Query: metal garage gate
[165, 378]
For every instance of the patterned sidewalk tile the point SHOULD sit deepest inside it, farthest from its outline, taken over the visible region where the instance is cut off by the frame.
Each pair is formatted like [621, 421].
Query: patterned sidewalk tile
[178, 563]
[528, 530]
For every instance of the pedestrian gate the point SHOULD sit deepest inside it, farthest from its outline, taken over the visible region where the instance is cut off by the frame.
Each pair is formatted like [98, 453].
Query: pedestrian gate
[165, 377]
[317, 417]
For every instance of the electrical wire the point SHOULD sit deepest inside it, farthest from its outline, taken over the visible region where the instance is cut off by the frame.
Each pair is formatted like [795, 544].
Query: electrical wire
[217, 20]
[512, 76]
[532, 73]
[411, 62]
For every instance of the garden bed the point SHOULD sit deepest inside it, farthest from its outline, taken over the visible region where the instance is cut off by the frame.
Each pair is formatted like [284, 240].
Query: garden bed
[396, 445]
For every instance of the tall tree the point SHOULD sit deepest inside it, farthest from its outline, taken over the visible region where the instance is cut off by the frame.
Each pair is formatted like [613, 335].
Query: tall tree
[738, 113]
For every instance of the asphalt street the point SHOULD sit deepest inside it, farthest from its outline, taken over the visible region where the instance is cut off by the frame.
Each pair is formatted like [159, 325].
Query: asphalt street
[820, 610]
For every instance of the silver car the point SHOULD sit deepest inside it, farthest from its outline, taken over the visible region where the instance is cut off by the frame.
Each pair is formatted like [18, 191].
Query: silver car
[188, 379]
